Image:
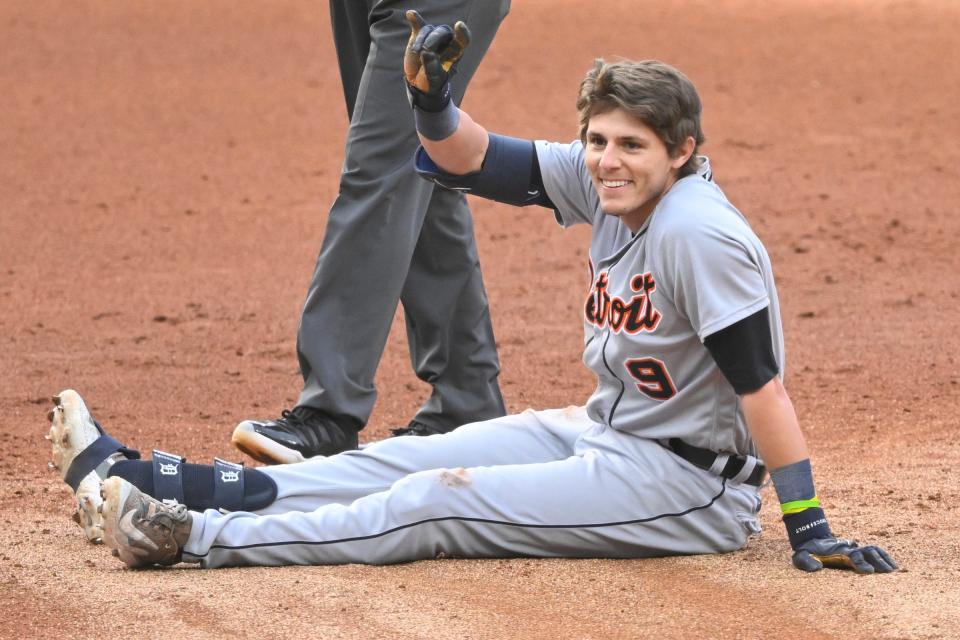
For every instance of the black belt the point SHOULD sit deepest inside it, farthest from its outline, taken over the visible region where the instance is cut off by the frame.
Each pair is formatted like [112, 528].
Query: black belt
[732, 468]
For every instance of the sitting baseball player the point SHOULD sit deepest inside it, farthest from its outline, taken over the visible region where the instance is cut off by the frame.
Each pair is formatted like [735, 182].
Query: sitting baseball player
[681, 327]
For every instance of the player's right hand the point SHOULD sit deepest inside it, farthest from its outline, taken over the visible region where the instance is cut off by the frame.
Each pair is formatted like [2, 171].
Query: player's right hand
[839, 553]
[430, 59]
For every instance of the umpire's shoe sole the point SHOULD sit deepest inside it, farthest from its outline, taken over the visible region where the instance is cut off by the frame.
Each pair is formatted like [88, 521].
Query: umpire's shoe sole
[246, 438]
[71, 431]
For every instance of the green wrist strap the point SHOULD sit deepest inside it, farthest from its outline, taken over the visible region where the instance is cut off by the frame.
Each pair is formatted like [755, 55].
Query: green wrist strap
[799, 505]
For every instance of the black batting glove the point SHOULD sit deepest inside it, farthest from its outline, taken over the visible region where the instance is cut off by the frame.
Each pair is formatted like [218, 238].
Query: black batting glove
[430, 59]
[838, 553]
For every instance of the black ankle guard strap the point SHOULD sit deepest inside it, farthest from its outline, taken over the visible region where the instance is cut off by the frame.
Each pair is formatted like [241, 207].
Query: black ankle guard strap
[93, 456]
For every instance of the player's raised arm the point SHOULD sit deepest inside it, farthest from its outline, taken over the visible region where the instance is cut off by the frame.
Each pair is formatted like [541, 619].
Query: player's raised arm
[451, 138]
[458, 153]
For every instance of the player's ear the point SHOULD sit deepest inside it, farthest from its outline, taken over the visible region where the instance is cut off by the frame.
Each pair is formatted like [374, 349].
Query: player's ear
[683, 152]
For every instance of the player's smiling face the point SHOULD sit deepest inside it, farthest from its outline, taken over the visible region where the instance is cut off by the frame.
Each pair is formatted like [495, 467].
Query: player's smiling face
[629, 164]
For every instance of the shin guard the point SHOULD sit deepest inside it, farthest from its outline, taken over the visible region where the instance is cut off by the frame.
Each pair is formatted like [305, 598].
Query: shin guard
[222, 485]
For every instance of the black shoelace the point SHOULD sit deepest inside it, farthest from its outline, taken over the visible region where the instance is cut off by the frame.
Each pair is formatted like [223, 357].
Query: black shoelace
[304, 423]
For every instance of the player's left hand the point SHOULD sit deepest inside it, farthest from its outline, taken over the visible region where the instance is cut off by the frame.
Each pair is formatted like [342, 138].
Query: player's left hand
[428, 63]
[839, 553]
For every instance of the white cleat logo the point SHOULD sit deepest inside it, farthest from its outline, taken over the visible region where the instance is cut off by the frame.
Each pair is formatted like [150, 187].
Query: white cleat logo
[229, 476]
[168, 469]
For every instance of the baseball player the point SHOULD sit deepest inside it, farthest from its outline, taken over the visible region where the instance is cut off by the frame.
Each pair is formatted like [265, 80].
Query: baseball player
[390, 236]
[681, 328]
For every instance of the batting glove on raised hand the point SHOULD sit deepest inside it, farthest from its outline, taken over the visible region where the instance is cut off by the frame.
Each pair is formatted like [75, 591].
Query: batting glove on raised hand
[430, 59]
[838, 553]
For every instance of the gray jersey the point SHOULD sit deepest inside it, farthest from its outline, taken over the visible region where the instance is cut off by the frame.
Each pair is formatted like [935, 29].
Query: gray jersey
[694, 268]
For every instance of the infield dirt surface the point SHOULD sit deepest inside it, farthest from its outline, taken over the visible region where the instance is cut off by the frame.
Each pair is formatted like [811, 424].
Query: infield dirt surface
[165, 176]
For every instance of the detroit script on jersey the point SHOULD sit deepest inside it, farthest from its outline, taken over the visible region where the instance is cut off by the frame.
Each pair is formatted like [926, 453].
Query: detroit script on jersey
[636, 314]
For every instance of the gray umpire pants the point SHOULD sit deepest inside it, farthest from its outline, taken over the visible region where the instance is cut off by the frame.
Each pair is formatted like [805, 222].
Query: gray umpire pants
[393, 236]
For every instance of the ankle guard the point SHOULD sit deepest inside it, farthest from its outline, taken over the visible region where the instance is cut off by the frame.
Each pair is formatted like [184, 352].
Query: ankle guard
[94, 457]
[222, 485]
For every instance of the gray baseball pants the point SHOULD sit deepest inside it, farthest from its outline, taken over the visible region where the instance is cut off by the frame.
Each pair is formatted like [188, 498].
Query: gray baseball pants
[392, 236]
[539, 483]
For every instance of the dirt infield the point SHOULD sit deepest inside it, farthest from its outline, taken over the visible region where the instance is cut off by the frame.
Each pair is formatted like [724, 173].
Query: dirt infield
[165, 175]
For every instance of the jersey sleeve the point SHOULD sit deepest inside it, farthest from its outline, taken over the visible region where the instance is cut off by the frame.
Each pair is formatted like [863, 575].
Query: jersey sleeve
[567, 182]
[712, 273]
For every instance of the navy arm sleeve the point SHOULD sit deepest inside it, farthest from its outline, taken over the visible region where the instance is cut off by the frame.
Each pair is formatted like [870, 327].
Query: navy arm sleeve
[510, 173]
[744, 352]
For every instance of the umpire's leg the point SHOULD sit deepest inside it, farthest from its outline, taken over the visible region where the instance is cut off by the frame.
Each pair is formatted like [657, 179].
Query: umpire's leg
[376, 221]
[448, 319]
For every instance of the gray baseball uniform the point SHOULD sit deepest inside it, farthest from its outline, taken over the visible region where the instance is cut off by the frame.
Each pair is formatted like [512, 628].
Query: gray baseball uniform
[593, 481]
[391, 236]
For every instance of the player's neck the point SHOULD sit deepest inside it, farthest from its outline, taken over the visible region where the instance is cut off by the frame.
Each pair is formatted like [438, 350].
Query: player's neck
[637, 218]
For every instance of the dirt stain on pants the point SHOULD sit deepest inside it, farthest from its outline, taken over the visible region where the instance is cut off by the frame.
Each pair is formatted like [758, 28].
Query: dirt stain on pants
[455, 478]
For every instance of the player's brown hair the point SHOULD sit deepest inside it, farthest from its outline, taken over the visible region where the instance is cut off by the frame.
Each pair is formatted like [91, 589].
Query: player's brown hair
[653, 92]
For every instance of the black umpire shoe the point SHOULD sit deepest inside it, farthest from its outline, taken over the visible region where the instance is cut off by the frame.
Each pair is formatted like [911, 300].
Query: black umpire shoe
[418, 429]
[295, 436]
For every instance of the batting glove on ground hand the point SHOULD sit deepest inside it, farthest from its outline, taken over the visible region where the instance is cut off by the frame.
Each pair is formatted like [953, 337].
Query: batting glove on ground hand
[838, 553]
[429, 60]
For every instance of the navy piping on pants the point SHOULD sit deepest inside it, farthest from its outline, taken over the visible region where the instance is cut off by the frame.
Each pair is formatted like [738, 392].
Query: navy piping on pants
[723, 489]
